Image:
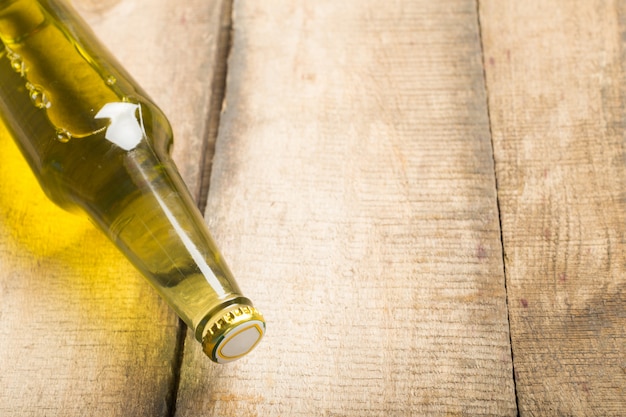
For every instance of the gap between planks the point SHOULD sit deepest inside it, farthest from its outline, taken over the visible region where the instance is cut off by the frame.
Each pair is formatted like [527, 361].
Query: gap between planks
[495, 176]
[218, 93]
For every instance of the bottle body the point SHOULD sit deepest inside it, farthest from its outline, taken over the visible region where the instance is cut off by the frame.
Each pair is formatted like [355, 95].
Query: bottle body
[99, 146]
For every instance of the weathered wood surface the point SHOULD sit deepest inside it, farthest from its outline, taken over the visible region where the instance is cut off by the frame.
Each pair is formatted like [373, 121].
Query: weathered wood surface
[81, 333]
[556, 76]
[353, 194]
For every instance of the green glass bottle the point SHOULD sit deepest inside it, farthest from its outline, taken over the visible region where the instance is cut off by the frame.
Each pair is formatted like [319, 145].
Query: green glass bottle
[100, 147]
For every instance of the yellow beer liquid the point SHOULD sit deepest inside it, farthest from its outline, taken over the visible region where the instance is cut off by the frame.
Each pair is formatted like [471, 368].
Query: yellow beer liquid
[100, 147]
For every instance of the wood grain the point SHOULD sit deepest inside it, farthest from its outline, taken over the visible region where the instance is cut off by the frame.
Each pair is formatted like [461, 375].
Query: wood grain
[353, 195]
[81, 333]
[556, 80]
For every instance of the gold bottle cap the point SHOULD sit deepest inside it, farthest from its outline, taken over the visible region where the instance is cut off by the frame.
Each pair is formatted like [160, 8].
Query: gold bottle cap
[233, 333]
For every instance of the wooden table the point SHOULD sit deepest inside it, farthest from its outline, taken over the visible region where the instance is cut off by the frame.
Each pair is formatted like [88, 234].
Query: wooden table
[425, 198]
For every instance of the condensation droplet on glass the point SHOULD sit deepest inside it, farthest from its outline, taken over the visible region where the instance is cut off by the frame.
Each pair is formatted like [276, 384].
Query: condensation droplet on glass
[18, 65]
[38, 97]
[63, 135]
[16, 62]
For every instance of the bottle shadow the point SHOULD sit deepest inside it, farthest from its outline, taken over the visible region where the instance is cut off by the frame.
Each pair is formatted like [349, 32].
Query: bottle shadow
[41, 241]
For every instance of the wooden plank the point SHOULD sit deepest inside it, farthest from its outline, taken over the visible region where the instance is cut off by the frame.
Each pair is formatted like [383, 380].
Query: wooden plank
[353, 194]
[556, 82]
[81, 333]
